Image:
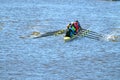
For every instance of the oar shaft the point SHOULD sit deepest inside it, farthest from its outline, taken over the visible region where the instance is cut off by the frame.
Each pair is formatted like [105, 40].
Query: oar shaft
[96, 38]
[58, 32]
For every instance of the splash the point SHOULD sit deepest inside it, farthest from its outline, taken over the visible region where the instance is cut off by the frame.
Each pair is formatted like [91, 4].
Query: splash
[113, 38]
[113, 35]
[32, 35]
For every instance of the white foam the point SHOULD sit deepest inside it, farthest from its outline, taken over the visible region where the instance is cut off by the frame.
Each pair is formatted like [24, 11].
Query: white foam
[113, 38]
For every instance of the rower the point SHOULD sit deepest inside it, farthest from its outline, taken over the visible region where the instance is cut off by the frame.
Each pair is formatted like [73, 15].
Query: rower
[73, 28]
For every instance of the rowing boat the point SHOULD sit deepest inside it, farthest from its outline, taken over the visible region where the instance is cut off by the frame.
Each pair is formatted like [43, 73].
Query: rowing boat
[82, 33]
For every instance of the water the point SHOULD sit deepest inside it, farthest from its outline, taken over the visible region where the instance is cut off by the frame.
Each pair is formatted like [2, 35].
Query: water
[49, 58]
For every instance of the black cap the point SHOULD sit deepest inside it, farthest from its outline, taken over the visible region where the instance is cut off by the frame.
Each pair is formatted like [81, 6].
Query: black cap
[76, 21]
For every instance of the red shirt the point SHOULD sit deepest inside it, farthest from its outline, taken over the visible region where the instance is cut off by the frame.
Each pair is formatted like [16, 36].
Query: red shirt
[76, 26]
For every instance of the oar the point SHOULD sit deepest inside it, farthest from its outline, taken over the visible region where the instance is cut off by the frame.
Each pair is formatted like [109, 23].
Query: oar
[91, 34]
[94, 33]
[91, 37]
[58, 32]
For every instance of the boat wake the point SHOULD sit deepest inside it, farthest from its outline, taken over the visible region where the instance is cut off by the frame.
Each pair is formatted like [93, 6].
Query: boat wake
[113, 38]
[113, 35]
